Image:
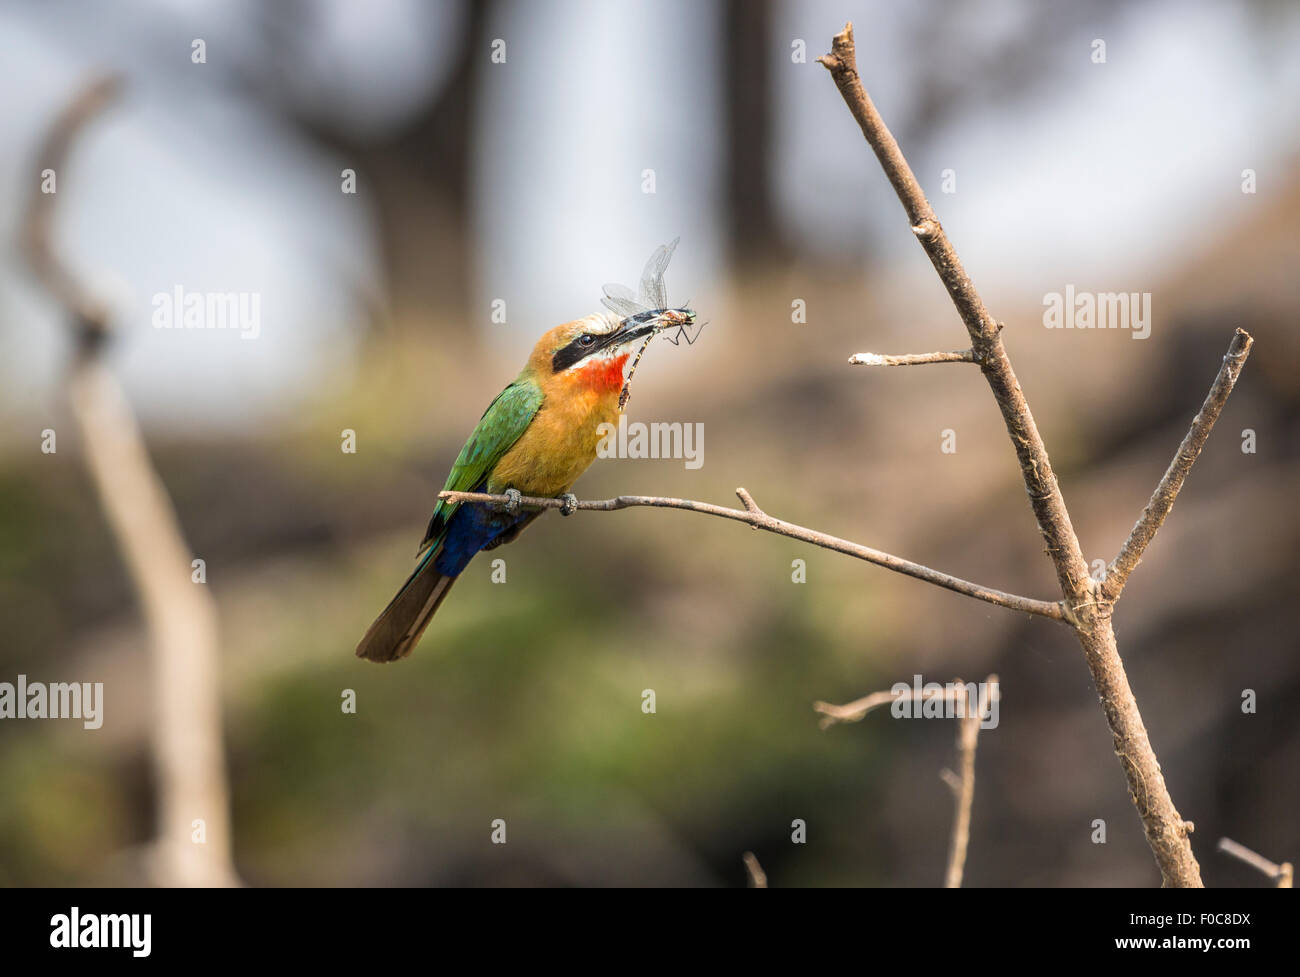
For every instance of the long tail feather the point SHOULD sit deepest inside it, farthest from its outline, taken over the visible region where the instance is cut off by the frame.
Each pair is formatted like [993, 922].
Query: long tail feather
[396, 630]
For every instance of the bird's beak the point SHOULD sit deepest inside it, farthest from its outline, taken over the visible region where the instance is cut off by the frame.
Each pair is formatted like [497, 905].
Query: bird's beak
[630, 332]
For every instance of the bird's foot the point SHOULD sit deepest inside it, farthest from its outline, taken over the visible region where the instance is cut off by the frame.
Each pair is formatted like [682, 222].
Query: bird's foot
[570, 504]
[513, 498]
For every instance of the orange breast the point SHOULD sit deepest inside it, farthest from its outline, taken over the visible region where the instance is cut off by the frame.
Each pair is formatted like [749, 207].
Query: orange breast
[560, 443]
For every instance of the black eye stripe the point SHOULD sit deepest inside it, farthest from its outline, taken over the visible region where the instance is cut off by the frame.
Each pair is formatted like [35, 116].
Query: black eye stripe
[575, 351]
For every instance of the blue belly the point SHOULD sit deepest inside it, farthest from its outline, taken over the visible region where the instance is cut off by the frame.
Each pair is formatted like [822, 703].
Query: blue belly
[472, 527]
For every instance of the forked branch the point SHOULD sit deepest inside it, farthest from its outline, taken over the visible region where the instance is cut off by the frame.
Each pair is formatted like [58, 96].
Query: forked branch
[974, 709]
[1166, 831]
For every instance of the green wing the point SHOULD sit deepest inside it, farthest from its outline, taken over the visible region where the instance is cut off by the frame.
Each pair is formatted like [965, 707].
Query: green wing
[501, 425]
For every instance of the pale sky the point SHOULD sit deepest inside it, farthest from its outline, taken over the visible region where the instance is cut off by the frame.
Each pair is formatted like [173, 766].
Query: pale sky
[1108, 171]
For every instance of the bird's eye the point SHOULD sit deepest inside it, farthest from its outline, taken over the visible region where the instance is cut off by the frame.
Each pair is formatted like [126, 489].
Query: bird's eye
[586, 339]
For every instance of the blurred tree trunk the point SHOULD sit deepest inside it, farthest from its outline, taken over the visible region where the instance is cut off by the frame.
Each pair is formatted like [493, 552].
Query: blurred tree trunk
[753, 229]
[418, 174]
[420, 179]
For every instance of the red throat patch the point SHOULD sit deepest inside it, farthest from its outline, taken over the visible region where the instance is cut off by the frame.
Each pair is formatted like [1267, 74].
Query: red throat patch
[602, 376]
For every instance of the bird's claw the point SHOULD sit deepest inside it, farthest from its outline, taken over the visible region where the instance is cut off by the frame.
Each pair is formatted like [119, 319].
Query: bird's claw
[513, 498]
[570, 504]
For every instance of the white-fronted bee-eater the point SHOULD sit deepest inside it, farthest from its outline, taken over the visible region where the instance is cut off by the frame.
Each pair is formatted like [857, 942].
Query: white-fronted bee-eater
[535, 439]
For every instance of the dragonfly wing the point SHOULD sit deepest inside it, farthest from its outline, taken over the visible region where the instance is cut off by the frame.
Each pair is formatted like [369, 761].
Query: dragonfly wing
[653, 292]
[620, 300]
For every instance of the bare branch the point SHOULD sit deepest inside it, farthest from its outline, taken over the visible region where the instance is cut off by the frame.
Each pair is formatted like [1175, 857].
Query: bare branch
[1283, 874]
[963, 784]
[88, 312]
[1162, 500]
[754, 516]
[1036, 469]
[754, 871]
[912, 359]
[1166, 831]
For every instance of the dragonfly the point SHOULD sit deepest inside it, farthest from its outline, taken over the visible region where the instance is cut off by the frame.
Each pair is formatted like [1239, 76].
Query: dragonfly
[651, 305]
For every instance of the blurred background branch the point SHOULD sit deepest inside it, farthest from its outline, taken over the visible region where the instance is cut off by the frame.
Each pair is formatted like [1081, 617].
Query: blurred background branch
[974, 709]
[192, 846]
[963, 787]
[1283, 875]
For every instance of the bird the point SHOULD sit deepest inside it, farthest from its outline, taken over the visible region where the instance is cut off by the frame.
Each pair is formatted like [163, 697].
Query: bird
[538, 435]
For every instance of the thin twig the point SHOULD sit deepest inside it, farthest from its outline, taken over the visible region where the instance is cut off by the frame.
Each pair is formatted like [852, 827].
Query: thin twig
[1162, 499]
[752, 515]
[1283, 874]
[963, 784]
[858, 709]
[754, 871]
[912, 359]
[967, 739]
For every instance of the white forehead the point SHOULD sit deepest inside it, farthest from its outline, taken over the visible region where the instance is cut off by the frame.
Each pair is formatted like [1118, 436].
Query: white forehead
[600, 323]
[597, 324]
